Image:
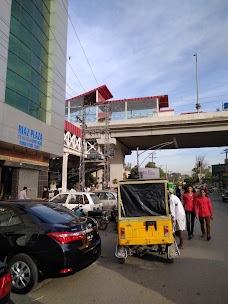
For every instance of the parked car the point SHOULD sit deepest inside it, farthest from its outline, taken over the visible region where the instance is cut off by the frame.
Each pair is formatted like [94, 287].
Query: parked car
[108, 199]
[85, 201]
[225, 195]
[53, 193]
[45, 238]
[212, 189]
[5, 284]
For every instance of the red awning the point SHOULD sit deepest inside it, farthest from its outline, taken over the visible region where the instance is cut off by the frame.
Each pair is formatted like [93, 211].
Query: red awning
[72, 129]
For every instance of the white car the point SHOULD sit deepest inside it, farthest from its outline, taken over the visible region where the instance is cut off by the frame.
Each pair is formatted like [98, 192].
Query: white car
[108, 199]
[85, 201]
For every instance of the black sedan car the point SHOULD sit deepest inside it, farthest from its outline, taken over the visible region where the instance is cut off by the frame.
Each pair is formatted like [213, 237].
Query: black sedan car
[5, 284]
[41, 238]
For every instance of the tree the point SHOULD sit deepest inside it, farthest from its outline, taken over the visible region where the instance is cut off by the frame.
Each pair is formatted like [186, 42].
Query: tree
[150, 165]
[153, 165]
[115, 181]
[127, 167]
[201, 166]
[134, 174]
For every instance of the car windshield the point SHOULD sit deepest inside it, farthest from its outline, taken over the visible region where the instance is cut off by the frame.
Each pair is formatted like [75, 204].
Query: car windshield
[95, 199]
[52, 214]
[60, 198]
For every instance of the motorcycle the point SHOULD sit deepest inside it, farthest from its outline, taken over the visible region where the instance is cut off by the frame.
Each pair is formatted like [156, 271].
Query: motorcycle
[114, 216]
[114, 213]
[98, 215]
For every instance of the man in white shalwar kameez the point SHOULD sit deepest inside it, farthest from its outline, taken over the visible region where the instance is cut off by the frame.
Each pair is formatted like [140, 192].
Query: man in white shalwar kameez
[178, 216]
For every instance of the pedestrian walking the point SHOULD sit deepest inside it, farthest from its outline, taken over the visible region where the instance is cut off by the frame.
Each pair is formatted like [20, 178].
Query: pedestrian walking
[23, 193]
[189, 201]
[178, 216]
[206, 190]
[204, 211]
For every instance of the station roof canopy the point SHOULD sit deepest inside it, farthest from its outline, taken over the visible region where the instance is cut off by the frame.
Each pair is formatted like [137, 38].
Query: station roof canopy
[96, 95]
[140, 103]
[162, 99]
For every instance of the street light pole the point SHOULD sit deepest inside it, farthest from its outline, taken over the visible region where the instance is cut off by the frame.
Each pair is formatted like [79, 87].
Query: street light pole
[197, 91]
[158, 147]
[137, 151]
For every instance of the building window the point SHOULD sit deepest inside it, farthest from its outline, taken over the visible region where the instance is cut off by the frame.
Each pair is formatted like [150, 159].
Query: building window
[27, 69]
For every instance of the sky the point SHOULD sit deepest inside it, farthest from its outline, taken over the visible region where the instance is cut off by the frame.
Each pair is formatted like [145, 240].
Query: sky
[144, 48]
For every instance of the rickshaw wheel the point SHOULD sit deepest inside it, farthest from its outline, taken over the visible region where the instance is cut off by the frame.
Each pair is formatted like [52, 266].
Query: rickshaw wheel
[121, 260]
[168, 259]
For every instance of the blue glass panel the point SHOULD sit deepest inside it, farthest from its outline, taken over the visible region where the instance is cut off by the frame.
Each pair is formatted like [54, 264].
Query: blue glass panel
[27, 68]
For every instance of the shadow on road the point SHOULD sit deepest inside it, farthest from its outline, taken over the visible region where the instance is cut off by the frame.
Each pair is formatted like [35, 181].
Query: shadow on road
[199, 275]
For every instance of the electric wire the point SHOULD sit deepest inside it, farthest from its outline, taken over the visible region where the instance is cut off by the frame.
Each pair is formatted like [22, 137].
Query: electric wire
[60, 46]
[80, 43]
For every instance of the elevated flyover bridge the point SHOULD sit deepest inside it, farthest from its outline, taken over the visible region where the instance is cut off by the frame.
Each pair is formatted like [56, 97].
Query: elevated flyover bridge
[190, 130]
[141, 123]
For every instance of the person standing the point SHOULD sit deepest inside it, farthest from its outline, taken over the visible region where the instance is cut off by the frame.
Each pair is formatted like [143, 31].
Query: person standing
[189, 200]
[204, 211]
[45, 195]
[56, 191]
[178, 192]
[178, 216]
[23, 193]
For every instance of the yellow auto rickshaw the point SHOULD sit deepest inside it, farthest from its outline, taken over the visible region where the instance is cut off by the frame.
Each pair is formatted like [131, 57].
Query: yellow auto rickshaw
[144, 221]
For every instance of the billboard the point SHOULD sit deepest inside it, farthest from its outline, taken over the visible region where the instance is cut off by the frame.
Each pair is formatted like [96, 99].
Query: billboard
[149, 173]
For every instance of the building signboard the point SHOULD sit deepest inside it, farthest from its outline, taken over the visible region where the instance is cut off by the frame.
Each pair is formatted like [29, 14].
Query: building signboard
[149, 173]
[29, 138]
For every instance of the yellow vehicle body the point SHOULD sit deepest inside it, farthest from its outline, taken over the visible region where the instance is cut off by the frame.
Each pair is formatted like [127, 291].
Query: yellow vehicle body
[137, 234]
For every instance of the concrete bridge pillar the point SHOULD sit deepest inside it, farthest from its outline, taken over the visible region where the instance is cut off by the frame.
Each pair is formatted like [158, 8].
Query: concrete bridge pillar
[64, 171]
[99, 176]
[117, 162]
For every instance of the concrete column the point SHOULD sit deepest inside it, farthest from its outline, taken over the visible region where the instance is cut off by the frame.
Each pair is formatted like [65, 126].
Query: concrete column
[64, 171]
[117, 166]
[15, 184]
[157, 105]
[96, 113]
[125, 109]
[68, 113]
[42, 181]
[99, 176]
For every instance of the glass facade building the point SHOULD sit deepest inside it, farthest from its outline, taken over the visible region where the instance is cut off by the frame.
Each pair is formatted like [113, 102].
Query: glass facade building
[27, 68]
[33, 41]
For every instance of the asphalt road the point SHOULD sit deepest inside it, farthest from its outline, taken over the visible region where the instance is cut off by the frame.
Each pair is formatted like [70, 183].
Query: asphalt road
[199, 275]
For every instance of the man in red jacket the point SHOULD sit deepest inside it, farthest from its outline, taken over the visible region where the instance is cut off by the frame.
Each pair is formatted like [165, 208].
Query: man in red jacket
[204, 211]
